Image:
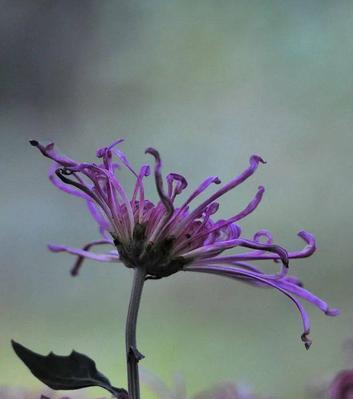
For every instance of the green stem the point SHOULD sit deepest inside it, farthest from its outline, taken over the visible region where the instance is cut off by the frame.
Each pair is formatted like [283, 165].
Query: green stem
[132, 354]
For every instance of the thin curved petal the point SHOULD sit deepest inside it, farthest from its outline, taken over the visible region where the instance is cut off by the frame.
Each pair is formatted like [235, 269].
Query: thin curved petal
[241, 215]
[69, 189]
[176, 184]
[159, 181]
[50, 152]
[201, 188]
[308, 250]
[223, 245]
[255, 160]
[84, 253]
[222, 272]
[104, 225]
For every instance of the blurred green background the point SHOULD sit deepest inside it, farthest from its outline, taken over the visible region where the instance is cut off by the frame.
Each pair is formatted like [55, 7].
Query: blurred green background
[208, 83]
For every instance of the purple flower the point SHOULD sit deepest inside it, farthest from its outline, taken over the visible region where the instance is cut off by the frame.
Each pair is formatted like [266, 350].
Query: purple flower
[164, 238]
[342, 386]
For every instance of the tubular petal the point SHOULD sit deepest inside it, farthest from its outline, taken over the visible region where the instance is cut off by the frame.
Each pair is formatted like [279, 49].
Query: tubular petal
[159, 182]
[178, 187]
[254, 162]
[85, 254]
[77, 265]
[101, 151]
[245, 212]
[223, 245]
[124, 160]
[49, 152]
[308, 296]
[61, 175]
[174, 219]
[256, 255]
[263, 233]
[144, 172]
[233, 274]
[104, 225]
[53, 177]
[201, 188]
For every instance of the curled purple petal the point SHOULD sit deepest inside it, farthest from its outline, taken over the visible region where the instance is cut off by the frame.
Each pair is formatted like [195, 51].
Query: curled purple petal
[263, 233]
[310, 247]
[176, 184]
[159, 182]
[305, 252]
[49, 152]
[223, 245]
[77, 265]
[212, 209]
[308, 296]
[69, 189]
[245, 212]
[104, 225]
[101, 151]
[255, 160]
[85, 253]
[201, 188]
[231, 273]
[281, 252]
[62, 175]
[144, 172]
[124, 160]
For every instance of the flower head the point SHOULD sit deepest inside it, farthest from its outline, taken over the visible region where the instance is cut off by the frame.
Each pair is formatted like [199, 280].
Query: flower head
[164, 238]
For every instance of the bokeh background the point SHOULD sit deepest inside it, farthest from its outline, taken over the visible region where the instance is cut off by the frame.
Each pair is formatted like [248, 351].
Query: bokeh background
[208, 83]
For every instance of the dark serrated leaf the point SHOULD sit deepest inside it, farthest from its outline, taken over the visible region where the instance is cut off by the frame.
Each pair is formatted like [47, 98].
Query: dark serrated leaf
[66, 372]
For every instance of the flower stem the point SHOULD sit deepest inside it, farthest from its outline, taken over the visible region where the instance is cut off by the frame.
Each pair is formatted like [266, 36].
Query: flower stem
[132, 354]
